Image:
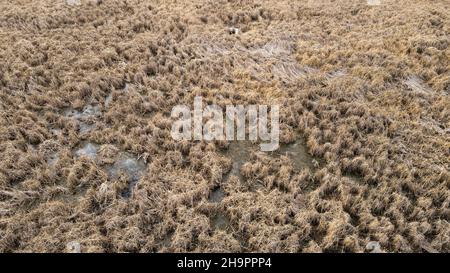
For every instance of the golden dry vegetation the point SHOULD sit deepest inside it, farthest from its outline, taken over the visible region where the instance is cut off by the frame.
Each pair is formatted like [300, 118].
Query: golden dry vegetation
[86, 93]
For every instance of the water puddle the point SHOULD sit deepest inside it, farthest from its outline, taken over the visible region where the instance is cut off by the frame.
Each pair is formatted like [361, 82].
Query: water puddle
[130, 165]
[298, 153]
[125, 163]
[220, 221]
[373, 247]
[239, 152]
[108, 100]
[84, 127]
[167, 240]
[88, 111]
[87, 149]
[86, 117]
[73, 247]
[126, 87]
[216, 195]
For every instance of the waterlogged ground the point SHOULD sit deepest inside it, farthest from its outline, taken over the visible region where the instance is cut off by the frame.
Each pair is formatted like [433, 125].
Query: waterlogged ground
[89, 165]
[132, 166]
[240, 152]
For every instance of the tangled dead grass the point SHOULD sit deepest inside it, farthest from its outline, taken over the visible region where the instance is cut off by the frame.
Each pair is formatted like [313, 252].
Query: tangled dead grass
[88, 164]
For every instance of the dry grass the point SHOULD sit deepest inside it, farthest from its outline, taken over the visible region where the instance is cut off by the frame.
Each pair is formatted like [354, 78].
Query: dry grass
[366, 87]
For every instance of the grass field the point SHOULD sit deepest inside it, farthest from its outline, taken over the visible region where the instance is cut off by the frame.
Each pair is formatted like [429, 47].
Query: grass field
[88, 163]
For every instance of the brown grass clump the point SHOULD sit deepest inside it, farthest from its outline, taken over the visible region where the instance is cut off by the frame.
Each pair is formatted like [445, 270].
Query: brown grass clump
[88, 163]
